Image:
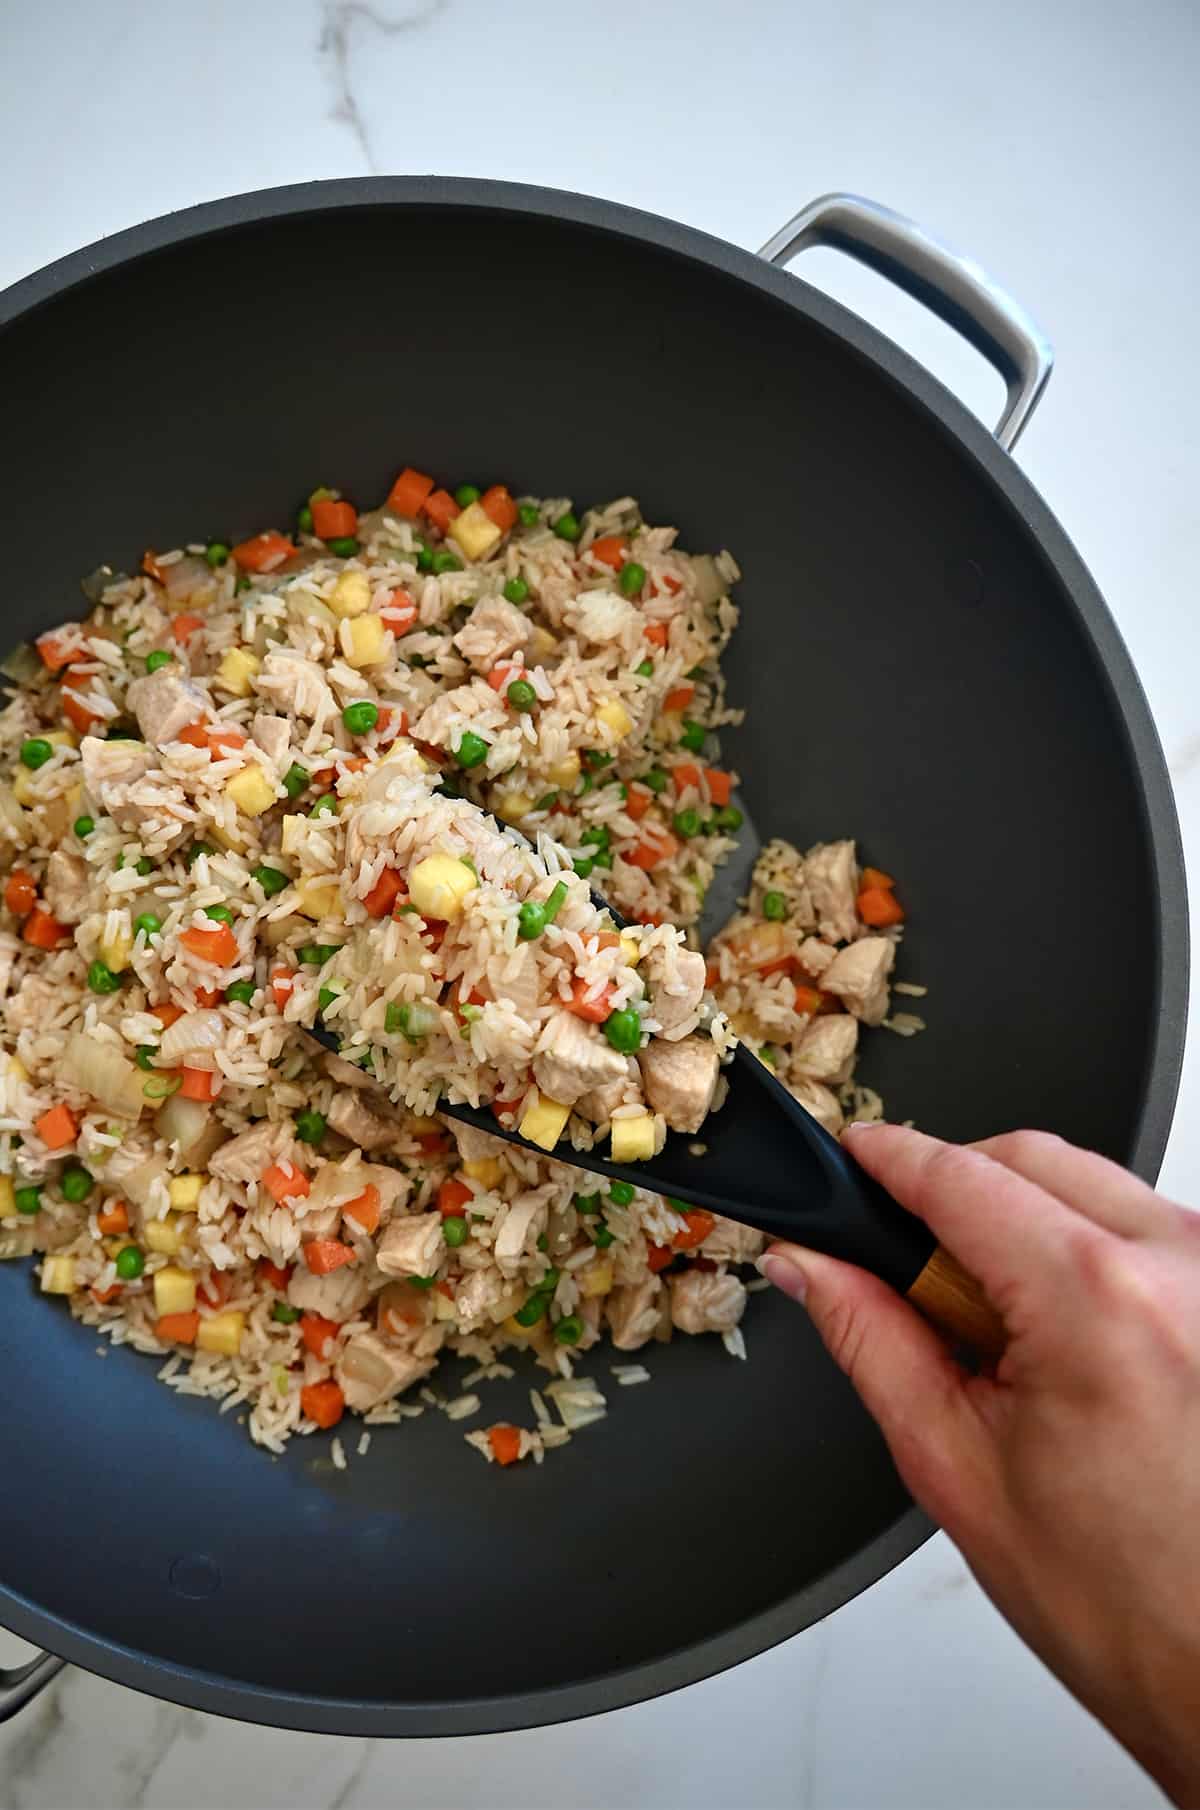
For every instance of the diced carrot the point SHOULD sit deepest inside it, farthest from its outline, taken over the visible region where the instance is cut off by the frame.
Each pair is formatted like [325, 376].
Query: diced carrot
[323, 1255]
[81, 719]
[273, 1273]
[712, 973]
[409, 492]
[653, 918]
[452, 1197]
[503, 1109]
[431, 751]
[198, 1084]
[392, 722]
[444, 1287]
[658, 1256]
[384, 893]
[208, 996]
[399, 611]
[104, 1295]
[214, 1290]
[505, 1442]
[781, 964]
[20, 892]
[594, 1008]
[432, 1143]
[875, 880]
[167, 1014]
[285, 1183]
[686, 774]
[218, 946]
[316, 1331]
[502, 675]
[699, 1224]
[720, 786]
[497, 503]
[263, 552]
[57, 1128]
[434, 933]
[195, 735]
[679, 698]
[607, 939]
[610, 550]
[44, 931]
[656, 633]
[638, 802]
[334, 521]
[651, 854]
[879, 908]
[113, 1218]
[58, 649]
[73, 680]
[282, 982]
[323, 1402]
[178, 1329]
[184, 627]
[151, 567]
[441, 509]
[808, 1001]
[220, 740]
[364, 1210]
[669, 583]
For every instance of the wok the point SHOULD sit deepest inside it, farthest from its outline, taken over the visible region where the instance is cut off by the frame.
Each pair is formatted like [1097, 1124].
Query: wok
[928, 667]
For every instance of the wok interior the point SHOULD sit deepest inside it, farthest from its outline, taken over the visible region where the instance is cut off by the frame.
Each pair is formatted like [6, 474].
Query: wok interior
[914, 677]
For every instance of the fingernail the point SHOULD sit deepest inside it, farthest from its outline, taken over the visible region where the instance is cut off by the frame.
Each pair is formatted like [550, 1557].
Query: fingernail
[784, 1273]
[862, 1125]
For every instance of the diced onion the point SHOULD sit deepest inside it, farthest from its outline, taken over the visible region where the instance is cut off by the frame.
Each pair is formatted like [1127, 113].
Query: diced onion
[98, 1069]
[194, 1032]
[183, 1122]
[710, 586]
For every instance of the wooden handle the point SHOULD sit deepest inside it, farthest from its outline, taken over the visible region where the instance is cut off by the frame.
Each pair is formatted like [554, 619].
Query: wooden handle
[956, 1304]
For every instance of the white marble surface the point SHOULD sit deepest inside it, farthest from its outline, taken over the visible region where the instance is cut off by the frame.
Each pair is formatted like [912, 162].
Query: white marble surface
[1058, 142]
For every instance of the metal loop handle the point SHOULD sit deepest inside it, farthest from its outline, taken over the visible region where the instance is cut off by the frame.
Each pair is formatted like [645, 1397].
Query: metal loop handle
[21, 1684]
[954, 287]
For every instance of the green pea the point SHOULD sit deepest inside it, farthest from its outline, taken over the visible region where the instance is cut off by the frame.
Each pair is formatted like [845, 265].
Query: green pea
[76, 1184]
[693, 736]
[687, 823]
[101, 978]
[455, 1231]
[310, 1127]
[569, 1330]
[680, 1206]
[631, 578]
[297, 779]
[285, 1313]
[586, 1203]
[521, 695]
[424, 557]
[600, 1236]
[602, 858]
[242, 584]
[645, 670]
[595, 758]
[147, 923]
[656, 779]
[445, 562]
[35, 753]
[343, 546]
[597, 833]
[144, 1055]
[159, 657]
[768, 1054]
[326, 806]
[143, 865]
[83, 826]
[240, 992]
[317, 954]
[361, 718]
[466, 494]
[530, 514]
[197, 849]
[546, 802]
[130, 1263]
[622, 1193]
[220, 914]
[567, 526]
[774, 906]
[728, 818]
[216, 553]
[623, 1029]
[28, 1200]
[533, 1310]
[516, 591]
[421, 1281]
[304, 519]
[471, 750]
[271, 879]
[583, 866]
[531, 920]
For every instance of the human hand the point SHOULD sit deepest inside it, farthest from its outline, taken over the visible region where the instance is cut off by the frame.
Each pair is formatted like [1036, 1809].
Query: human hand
[1069, 1477]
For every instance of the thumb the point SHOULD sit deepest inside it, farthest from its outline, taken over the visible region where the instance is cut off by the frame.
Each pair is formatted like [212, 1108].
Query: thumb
[902, 1371]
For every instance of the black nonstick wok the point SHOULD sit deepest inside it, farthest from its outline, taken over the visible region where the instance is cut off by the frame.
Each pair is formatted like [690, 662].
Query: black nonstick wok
[927, 666]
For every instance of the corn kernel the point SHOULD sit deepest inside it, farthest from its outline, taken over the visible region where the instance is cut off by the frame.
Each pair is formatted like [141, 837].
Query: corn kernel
[364, 641]
[115, 951]
[423, 1127]
[475, 531]
[438, 885]
[17, 1070]
[631, 949]
[184, 1191]
[542, 643]
[615, 717]
[317, 899]
[565, 772]
[544, 1121]
[237, 670]
[443, 1308]
[61, 738]
[221, 1332]
[512, 806]
[174, 1290]
[162, 1236]
[58, 1275]
[351, 595]
[22, 785]
[8, 1197]
[251, 791]
[596, 1279]
[633, 1139]
[486, 1170]
[522, 1335]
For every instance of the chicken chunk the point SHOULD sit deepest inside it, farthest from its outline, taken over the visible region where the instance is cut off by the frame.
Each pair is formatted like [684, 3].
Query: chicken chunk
[297, 685]
[351, 1118]
[815, 956]
[572, 1058]
[110, 768]
[831, 873]
[820, 1102]
[66, 886]
[826, 1048]
[859, 975]
[633, 1313]
[475, 1146]
[706, 1301]
[338, 1296]
[729, 1242]
[164, 702]
[434, 723]
[676, 981]
[345, 1073]
[274, 736]
[600, 1104]
[370, 1371]
[411, 1246]
[481, 1296]
[680, 1079]
[493, 629]
[244, 1157]
[522, 1223]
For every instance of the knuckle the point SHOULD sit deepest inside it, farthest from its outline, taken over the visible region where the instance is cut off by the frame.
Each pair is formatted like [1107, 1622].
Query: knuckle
[845, 1332]
[948, 1167]
[1027, 1145]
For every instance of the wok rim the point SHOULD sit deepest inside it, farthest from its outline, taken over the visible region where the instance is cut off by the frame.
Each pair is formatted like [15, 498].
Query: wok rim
[221, 1695]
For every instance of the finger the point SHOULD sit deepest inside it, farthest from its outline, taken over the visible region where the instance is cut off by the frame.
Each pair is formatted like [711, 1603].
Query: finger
[1092, 1185]
[1007, 1231]
[900, 1367]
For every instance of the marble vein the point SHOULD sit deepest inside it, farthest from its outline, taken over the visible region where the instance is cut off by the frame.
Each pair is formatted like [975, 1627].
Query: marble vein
[342, 18]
